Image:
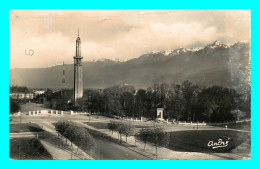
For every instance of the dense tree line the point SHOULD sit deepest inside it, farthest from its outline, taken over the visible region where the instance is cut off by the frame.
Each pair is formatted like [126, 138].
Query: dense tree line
[122, 128]
[184, 102]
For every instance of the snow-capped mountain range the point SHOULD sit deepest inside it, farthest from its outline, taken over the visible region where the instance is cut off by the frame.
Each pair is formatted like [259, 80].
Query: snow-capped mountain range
[215, 64]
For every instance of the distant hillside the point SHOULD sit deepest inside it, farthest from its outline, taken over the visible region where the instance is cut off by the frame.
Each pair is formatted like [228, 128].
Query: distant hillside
[215, 64]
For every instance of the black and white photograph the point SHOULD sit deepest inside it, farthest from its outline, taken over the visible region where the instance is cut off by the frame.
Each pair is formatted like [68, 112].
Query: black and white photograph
[130, 84]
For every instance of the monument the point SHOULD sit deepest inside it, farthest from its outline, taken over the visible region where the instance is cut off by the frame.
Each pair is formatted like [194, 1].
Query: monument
[78, 74]
[159, 115]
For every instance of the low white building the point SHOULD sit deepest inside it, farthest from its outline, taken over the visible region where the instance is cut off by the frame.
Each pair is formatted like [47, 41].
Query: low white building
[45, 112]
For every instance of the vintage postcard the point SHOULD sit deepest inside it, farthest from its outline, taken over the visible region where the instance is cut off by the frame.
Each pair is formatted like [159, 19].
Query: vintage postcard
[130, 84]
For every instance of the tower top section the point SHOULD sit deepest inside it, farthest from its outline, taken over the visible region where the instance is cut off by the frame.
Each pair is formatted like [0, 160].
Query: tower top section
[78, 38]
[78, 47]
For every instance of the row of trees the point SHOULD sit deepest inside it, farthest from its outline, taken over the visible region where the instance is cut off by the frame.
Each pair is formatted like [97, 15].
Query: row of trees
[153, 135]
[75, 134]
[122, 128]
[186, 102]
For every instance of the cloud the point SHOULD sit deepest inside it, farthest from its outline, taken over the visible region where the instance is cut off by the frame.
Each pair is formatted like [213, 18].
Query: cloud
[160, 36]
[48, 50]
[51, 49]
[122, 34]
[93, 50]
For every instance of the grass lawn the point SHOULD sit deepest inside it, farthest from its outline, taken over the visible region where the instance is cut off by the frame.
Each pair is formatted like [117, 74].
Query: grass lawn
[28, 148]
[24, 127]
[101, 125]
[31, 106]
[197, 140]
[98, 125]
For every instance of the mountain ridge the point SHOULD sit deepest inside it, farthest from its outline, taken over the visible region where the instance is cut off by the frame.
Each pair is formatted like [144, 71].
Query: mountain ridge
[214, 64]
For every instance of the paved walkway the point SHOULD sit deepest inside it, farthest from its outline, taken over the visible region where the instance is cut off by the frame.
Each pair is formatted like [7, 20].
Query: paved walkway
[23, 134]
[57, 152]
[108, 148]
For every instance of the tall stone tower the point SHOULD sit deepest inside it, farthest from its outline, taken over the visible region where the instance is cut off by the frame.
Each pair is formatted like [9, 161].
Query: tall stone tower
[78, 76]
[63, 79]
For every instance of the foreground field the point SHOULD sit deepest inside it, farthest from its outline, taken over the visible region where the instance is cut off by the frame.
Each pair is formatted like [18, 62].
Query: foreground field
[198, 140]
[27, 148]
[187, 139]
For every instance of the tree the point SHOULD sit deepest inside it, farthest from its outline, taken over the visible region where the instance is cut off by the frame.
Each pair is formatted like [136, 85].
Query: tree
[128, 103]
[175, 103]
[128, 129]
[62, 98]
[143, 136]
[120, 130]
[112, 101]
[244, 103]
[14, 106]
[83, 104]
[124, 128]
[95, 101]
[140, 98]
[190, 93]
[48, 94]
[149, 104]
[112, 126]
[159, 137]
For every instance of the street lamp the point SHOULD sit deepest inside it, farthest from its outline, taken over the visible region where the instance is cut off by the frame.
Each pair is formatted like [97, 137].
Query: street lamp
[20, 117]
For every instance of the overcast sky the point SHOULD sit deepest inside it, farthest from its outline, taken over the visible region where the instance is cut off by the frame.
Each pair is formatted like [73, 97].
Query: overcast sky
[41, 38]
